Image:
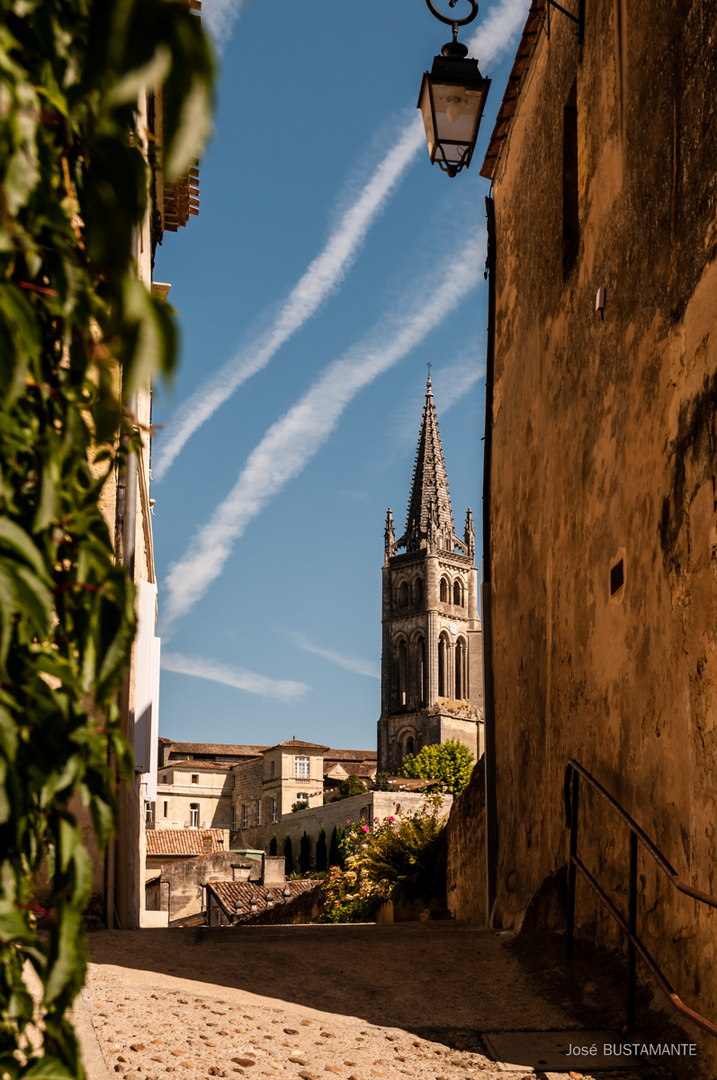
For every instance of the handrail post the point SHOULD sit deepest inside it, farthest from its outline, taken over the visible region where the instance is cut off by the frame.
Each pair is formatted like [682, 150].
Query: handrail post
[632, 924]
[575, 789]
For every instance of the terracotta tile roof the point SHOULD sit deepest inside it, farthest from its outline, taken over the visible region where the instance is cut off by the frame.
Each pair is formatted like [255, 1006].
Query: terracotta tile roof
[298, 744]
[509, 104]
[187, 763]
[231, 893]
[350, 755]
[184, 841]
[223, 749]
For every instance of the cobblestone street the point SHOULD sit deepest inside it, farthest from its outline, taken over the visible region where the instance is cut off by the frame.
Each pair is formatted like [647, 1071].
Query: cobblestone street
[312, 1002]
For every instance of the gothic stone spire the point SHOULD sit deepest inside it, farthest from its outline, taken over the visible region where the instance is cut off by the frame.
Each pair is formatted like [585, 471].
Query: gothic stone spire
[429, 508]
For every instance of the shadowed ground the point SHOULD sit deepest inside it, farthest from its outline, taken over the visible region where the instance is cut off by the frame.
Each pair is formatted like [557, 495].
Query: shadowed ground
[445, 983]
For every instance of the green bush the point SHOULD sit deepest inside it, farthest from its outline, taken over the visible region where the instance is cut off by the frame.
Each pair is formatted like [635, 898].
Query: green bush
[352, 785]
[411, 853]
[288, 855]
[321, 854]
[405, 856]
[381, 782]
[336, 855]
[451, 763]
[304, 854]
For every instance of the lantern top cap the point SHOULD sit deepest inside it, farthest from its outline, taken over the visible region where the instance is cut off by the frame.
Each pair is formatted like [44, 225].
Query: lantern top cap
[455, 49]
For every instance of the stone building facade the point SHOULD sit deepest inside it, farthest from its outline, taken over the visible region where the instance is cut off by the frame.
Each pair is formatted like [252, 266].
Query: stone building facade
[195, 782]
[193, 794]
[431, 660]
[601, 555]
[267, 786]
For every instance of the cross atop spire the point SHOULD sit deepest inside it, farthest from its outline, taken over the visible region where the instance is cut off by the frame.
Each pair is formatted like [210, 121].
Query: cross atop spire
[429, 508]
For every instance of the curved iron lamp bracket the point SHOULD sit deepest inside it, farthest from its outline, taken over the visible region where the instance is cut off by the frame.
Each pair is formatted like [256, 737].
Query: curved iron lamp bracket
[454, 23]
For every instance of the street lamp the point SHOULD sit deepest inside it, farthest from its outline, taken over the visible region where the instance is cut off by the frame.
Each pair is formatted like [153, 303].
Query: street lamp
[452, 99]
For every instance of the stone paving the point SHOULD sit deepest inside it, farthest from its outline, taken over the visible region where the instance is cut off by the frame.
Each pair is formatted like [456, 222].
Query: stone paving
[312, 1003]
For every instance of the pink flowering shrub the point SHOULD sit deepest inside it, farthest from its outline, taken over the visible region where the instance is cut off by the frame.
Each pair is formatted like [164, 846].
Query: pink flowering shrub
[404, 854]
[353, 894]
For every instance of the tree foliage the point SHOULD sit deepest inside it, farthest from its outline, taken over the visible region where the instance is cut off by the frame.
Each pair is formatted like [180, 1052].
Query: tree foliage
[321, 853]
[336, 857]
[450, 762]
[288, 850]
[352, 785]
[76, 330]
[304, 853]
[403, 856]
[410, 853]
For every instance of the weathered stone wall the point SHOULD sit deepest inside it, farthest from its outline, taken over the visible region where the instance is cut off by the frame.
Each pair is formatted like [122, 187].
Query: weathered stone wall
[176, 794]
[604, 440]
[187, 877]
[246, 790]
[465, 872]
[380, 804]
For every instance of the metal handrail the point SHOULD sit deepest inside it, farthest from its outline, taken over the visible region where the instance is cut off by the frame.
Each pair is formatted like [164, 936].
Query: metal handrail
[573, 771]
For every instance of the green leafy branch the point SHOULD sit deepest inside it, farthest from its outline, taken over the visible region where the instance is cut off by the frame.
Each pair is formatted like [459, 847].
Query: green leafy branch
[77, 332]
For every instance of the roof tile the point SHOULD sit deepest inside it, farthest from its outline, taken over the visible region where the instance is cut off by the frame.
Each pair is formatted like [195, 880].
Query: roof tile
[184, 841]
[231, 893]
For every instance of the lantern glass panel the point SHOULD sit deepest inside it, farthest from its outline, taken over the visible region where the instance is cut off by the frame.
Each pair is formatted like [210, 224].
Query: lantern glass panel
[457, 112]
[427, 113]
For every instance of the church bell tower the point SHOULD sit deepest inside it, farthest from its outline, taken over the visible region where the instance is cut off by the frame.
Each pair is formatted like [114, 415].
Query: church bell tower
[431, 659]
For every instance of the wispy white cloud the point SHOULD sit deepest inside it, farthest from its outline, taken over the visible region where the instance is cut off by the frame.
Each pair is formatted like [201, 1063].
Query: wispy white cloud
[283, 689]
[348, 663]
[454, 381]
[330, 267]
[494, 36]
[219, 18]
[292, 441]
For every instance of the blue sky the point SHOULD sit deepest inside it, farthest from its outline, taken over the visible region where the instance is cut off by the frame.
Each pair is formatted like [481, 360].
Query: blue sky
[329, 263]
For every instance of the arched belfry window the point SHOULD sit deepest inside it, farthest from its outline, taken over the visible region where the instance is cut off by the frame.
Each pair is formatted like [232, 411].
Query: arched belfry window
[402, 659]
[461, 690]
[458, 592]
[418, 591]
[421, 670]
[443, 666]
[403, 594]
[444, 590]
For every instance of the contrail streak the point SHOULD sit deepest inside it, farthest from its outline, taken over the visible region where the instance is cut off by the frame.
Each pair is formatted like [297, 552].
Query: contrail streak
[293, 440]
[329, 268]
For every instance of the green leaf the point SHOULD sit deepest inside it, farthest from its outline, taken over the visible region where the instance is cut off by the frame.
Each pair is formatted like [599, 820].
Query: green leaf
[68, 953]
[8, 735]
[13, 923]
[149, 76]
[20, 1006]
[193, 129]
[14, 538]
[47, 1068]
[36, 600]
